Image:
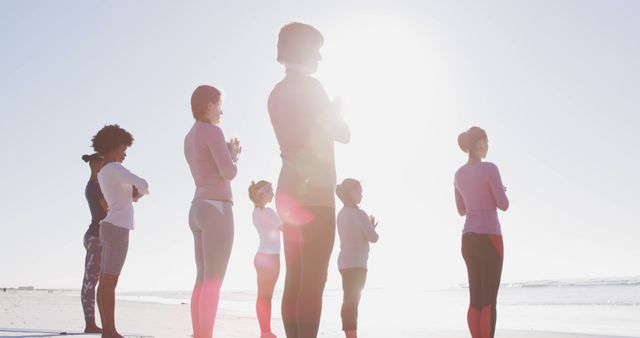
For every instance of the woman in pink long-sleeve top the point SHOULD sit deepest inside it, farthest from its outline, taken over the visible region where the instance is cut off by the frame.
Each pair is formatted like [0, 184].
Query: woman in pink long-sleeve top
[479, 193]
[212, 162]
[306, 125]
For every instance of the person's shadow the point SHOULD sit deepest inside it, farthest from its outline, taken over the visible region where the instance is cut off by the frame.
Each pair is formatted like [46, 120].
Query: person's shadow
[35, 333]
[28, 333]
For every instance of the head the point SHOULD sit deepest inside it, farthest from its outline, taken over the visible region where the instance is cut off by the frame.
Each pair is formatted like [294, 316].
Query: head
[94, 160]
[206, 104]
[111, 142]
[474, 142]
[260, 193]
[349, 192]
[299, 44]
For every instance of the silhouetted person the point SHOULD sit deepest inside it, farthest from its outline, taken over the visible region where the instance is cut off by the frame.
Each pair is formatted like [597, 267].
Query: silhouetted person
[212, 162]
[306, 125]
[356, 230]
[120, 188]
[93, 257]
[267, 259]
[479, 193]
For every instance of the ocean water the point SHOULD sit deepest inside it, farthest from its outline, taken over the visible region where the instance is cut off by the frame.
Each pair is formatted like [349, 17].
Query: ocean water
[589, 306]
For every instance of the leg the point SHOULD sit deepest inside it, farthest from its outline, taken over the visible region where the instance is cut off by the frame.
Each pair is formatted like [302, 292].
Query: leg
[217, 240]
[107, 299]
[318, 237]
[292, 242]
[195, 295]
[491, 265]
[267, 270]
[115, 244]
[91, 277]
[472, 262]
[353, 281]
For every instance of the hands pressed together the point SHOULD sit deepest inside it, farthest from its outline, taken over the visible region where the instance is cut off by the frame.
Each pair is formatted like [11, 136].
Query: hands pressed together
[234, 148]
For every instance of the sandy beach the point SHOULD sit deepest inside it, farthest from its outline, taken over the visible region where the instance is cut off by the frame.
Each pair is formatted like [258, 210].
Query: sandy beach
[47, 314]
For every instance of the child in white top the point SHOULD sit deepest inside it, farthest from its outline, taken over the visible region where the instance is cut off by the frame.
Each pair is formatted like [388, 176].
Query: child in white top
[267, 259]
[356, 230]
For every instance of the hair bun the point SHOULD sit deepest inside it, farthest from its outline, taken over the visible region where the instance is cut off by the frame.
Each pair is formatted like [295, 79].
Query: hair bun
[92, 157]
[463, 141]
[467, 140]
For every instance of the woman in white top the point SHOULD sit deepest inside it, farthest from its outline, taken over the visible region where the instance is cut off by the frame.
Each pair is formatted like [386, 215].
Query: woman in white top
[120, 188]
[267, 259]
[355, 229]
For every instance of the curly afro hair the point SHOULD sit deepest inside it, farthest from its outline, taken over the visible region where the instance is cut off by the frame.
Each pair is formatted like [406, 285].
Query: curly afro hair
[110, 137]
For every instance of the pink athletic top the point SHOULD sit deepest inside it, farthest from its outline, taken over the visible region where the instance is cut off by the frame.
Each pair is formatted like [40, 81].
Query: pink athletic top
[306, 127]
[210, 162]
[479, 193]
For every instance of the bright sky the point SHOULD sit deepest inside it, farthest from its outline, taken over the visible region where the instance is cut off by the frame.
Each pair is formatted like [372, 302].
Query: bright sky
[555, 84]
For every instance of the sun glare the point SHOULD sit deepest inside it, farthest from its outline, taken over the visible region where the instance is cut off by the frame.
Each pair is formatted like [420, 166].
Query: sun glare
[392, 77]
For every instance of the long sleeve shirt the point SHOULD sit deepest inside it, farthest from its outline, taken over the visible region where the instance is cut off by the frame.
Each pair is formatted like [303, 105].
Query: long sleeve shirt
[267, 224]
[306, 127]
[117, 185]
[479, 192]
[356, 232]
[212, 168]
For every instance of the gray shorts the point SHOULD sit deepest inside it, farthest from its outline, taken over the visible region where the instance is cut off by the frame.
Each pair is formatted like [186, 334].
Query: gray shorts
[115, 243]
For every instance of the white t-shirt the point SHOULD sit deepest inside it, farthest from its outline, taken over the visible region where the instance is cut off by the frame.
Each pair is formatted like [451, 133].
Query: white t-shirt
[355, 231]
[117, 185]
[268, 225]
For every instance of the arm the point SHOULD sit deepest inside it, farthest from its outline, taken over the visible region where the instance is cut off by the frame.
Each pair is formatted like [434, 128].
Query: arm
[340, 131]
[339, 128]
[127, 177]
[330, 114]
[367, 228]
[275, 220]
[498, 189]
[101, 200]
[103, 204]
[462, 209]
[220, 152]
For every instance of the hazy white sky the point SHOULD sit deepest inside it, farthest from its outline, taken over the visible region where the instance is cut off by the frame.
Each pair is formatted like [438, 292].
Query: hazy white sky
[554, 83]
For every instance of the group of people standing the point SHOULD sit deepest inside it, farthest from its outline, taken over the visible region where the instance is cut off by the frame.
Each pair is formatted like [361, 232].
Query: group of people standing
[306, 124]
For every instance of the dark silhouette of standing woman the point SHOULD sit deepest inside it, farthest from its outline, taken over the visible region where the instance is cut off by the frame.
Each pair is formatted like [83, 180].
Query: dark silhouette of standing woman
[93, 258]
[479, 193]
[306, 124]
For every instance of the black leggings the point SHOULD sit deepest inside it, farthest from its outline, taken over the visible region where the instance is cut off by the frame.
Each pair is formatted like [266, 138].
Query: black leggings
[483, 255]
[307, 249]
[353, 281]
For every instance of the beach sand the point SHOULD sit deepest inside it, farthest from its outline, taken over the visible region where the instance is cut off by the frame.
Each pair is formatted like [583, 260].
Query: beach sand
[45, 314]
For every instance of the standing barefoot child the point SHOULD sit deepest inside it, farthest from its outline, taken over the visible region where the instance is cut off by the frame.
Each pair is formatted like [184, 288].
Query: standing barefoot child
[267, 260]
[355, 229]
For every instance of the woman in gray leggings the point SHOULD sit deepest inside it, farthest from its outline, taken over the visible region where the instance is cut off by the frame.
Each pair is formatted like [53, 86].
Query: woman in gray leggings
[212, 162]
[120, 188]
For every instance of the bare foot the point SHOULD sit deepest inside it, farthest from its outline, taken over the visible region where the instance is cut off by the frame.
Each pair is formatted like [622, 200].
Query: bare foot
[92, 329]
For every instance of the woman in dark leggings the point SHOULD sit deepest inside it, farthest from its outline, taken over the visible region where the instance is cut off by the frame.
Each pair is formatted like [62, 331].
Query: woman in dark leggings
[306, 125]
[92, 266]
[479, 193]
